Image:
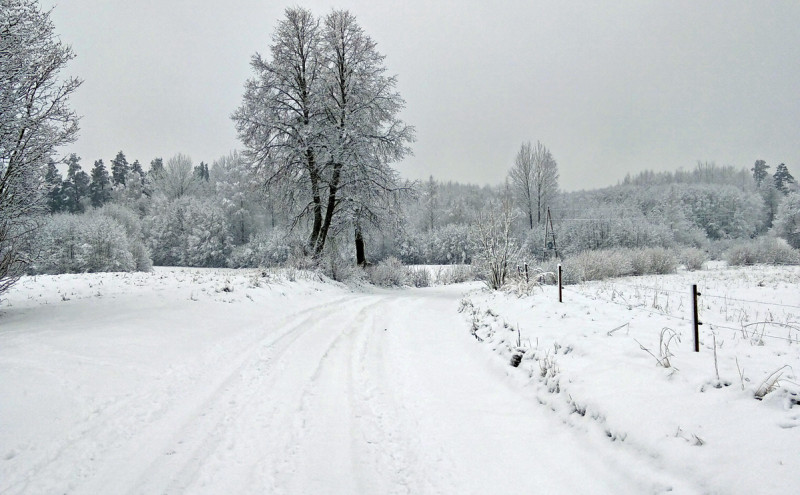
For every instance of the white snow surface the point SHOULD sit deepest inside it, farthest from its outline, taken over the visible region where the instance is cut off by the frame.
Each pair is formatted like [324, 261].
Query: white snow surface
[225, 381]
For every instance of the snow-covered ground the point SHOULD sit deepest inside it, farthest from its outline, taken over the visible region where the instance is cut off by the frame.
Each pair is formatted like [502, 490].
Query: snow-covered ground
[593, 360]
[222, 381]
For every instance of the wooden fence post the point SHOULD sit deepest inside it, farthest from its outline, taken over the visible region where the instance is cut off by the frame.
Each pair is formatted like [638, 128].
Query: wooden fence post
[559, 283]
[696, 320]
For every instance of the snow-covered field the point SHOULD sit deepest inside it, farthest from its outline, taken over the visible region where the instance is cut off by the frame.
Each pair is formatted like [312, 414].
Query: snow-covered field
[221, 381]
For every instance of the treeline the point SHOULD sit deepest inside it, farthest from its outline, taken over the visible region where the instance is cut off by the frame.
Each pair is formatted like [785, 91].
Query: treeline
[181, 214]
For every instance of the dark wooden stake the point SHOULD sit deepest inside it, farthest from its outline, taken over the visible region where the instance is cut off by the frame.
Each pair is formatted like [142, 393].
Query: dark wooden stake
[559, 283]
[527, 280]
[696, 320]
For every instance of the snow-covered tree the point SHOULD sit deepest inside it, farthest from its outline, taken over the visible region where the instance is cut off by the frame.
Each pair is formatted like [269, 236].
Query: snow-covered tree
[496, 247]
[240, 197]
[783, 179]
[188, 231]
[760, 171]
[322, 115]
[534, 179]
[54, 184]
[787, 219]
[100, 187]
[364, 133]
[280, 119]
[35, 119]
[76, 186]
[431, 199]
[177, 179]
[119, 169]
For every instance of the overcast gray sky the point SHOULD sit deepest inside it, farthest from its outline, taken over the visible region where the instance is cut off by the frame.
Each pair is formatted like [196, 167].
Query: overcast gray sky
[609, 87]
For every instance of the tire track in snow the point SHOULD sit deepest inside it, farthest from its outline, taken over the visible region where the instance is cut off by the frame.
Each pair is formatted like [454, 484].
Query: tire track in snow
[223, 431]
[123, 431]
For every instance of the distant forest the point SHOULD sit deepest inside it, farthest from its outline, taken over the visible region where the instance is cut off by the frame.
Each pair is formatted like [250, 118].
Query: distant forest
[181, 214]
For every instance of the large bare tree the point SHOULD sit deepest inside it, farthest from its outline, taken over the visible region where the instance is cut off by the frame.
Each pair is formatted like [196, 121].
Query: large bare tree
[281, 118]
[534, 178]
[364, 133]
[322, 115]
[35, 119]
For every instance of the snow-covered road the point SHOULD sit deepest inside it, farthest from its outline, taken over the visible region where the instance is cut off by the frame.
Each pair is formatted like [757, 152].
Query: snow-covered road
[304, 388]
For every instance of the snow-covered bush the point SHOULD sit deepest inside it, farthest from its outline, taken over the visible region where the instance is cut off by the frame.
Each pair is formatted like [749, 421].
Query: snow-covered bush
[105, 246]
[787, 220]
[767, 250]
[600, 265]
[266, 249]
[496, 248]
[418, 276]
[455, 274]
[610, 263]
[449, 244]
[410, 248]
[652, 261]
[388, 273]
[188, 231]
[87, 243]
[132, 224]
[692, 258]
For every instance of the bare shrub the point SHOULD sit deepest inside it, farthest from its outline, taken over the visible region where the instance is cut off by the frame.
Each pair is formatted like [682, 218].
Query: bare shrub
[418, 276]
[496, 246]
[693, 258]
[455, 274]
[649, 261]
[767, 250]
[388, 273]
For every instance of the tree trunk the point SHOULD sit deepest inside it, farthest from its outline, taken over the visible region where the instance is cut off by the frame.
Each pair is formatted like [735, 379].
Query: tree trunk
[361, 259]
[333, 188]
[313, 174]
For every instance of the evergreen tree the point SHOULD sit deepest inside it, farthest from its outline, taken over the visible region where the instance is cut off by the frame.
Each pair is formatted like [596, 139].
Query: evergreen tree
[156, 167]
[76, 187]
[137, 167]
[783, 179]
[201, 171]
[100, 187]
[119, 169]
[55, 191]
[760, 171]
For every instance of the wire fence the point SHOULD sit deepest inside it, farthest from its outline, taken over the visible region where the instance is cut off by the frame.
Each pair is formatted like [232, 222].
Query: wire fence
[758, 333]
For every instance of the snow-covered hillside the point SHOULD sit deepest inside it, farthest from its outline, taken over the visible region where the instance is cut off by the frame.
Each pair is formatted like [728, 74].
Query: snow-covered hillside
[222, 381]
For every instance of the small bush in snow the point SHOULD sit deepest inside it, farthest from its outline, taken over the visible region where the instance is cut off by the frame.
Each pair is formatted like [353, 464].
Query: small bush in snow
[767, 250]
[455, 274]
[388, 273]
[418, 276]
[267, 249]
[652, 261]
[693, 258]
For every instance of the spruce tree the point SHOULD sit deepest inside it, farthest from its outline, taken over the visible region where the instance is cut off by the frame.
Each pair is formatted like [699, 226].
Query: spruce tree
[119, 169]
[100, 187]
[55, 190]
[760, 171]
[783, 179]
[76, 187]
